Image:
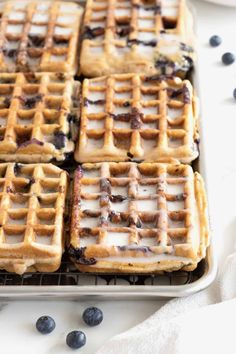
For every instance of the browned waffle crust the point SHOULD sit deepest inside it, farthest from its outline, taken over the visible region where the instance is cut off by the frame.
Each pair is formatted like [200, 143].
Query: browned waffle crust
[136, 117]
[130, 217]
[137, 36]
[39, 36]
[37, 116]
[32, 203]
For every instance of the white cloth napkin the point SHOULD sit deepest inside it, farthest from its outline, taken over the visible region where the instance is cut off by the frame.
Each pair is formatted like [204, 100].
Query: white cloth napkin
[201, 323]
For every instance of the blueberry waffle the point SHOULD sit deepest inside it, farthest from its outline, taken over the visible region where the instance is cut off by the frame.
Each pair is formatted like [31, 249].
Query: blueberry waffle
[32, 203]
[38, 116]
[131, 117]
[39, 36]
[121, 36]
[143, 218]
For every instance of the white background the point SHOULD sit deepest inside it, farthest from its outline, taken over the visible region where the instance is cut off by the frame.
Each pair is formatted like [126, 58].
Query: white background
[17, 319]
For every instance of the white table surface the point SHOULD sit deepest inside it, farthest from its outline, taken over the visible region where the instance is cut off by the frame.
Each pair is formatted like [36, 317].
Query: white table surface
[17, 319]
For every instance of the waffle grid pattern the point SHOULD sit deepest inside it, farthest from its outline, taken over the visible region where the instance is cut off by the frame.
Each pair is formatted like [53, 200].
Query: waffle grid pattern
[136, 117]
[32, 203]
[35, 114]
[39, 36]
[130, 210]
[133, 36]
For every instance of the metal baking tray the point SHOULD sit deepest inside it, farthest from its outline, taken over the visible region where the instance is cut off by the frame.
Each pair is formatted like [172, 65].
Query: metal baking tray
[68, 283]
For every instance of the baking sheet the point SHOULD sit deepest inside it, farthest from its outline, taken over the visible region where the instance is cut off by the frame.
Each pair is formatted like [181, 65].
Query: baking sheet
[68, 283]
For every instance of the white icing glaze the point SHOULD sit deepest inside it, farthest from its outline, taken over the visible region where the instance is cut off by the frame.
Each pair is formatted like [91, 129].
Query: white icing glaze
[148, 144]
[174, 206]
[147, 189]
[89, 222]
[148, 241]
[62, 19]
[62, 30]
[175, 224]
[174, 113]
[122, 206]
[170, 3]
[12, 221]
[91, 173]
[120, 110]
[95, 108]
[38, 29]
[68, 7]
[90, 188]
[91, 204]
[122, 83]
[124, 95]
[40, 17]
[99, 14]
[146, 23]
[97, 24]
[16, 16]
[43, 239]
[119, 190]
[96, 50]
[122, 12]
[174, 143]
[43, 6]
[87, 240]
[149, 97]
[147, 205]
[169, 12]
[145, 49]
[15, 29]
[20, 5]
[12, 44]
[95, 123]
[170, 37]
[14, 238]
[58, 58]
[150, 110]
[150, 125]
[121, 125]
[169, 49]
[174, 188]
[117, 239]
[15, 205]
[146, 36]
[145, 12]
[96, 95]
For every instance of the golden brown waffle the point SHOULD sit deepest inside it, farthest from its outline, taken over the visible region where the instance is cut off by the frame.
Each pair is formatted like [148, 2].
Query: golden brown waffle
[32, 203]
[37, 116]
[130, 217]
[121, 36]
[39, 36]
[137, 117]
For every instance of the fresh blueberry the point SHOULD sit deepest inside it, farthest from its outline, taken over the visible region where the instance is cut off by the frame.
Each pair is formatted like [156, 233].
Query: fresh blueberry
[228, 58]
[215, 41]
[234, 93]
[45, 324]
[92, 316]
[76, 339]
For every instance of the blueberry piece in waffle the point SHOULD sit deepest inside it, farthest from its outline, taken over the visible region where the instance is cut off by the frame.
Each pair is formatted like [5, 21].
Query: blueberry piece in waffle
[153, 37]
[32, 204]
[39, 36]
[132, 117]
[38, 116]
[138, 218]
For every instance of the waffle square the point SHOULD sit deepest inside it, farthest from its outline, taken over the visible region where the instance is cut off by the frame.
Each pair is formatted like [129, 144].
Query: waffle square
[121, 36]
[39, 36]
[131, 117]
[32, 203]
[38, 116]
[130, 217]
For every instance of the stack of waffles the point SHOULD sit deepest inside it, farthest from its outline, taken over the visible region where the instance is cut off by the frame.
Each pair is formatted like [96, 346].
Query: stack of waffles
[104, 92]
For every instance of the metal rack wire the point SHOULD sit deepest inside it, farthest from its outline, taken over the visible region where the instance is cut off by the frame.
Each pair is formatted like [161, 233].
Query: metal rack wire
[67, 275]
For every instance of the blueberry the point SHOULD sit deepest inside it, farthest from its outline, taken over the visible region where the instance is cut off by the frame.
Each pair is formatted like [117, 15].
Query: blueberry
[45, 324]
[228, 58]
[92, 316]
[215, 41]
[76, 339]
[234, 93]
